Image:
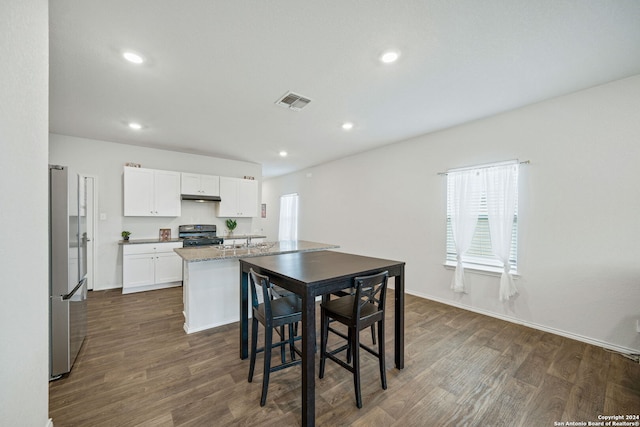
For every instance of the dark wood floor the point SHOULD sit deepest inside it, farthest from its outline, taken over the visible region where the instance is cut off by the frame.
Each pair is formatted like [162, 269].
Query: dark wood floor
[138, 368]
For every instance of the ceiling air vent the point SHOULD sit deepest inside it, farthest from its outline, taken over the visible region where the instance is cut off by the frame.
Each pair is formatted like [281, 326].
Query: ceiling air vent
[293, 101]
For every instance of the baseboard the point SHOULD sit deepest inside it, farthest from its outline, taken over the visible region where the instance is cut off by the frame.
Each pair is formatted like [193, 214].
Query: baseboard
[151, 287]
[533, 325]
[106, 288]
[189, 330]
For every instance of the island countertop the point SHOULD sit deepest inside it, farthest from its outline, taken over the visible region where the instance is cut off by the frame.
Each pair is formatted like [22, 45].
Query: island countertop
[209, 253]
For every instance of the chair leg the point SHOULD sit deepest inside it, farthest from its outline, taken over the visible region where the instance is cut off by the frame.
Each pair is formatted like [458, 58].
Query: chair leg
[349, 340]
[283, 350]
[373, 334]
[268, 339]
[381, 353]
[355, 348]
[324, 335]
[291, 337]
[254, 345]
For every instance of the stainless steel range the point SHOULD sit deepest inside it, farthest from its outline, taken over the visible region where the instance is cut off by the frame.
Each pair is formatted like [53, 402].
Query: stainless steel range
[199, 235]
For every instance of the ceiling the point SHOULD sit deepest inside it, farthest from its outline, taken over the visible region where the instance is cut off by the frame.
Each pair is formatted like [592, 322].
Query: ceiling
[214, 69]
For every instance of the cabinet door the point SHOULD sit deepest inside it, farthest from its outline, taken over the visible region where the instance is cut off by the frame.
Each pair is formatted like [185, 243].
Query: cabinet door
[138, 270]
[138, 192]
[168, 267]
[210, 185]
[190, 184]
[228, 207]
[247, 198]
[167, 193]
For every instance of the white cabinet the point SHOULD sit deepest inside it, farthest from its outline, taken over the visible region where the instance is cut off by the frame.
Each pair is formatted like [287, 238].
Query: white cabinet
[150, 192]
[200, 185]
[239, 198]
[138, 270]
[149, 266]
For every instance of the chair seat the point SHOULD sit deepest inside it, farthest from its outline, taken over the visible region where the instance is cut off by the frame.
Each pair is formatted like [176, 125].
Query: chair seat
[283, 309]
[343, 307]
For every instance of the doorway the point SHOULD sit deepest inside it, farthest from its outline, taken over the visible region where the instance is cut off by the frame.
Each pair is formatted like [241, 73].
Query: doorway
[91, 209]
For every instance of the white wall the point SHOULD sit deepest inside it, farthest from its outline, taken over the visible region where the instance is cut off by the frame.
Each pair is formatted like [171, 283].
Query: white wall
[106, 161]
[579, 212]
[24, 334]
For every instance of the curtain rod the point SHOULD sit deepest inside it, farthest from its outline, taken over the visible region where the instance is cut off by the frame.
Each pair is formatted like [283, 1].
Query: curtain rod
[525, 162]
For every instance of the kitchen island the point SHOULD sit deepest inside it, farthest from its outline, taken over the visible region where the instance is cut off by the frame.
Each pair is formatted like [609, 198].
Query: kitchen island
[211, 290]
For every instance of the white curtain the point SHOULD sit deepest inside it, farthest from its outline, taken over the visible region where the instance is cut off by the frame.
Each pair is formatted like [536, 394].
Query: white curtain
[501, 183]
[288, 227]
[465, 190]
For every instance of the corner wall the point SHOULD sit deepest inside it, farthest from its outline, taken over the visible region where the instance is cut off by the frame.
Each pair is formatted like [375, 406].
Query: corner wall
[579, 211]
[24, 122]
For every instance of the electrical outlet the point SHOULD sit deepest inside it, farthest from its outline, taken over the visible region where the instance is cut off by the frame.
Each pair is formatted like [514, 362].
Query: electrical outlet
[638, 326]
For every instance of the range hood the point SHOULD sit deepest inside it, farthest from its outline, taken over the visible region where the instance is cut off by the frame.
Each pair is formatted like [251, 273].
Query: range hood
[201, 198]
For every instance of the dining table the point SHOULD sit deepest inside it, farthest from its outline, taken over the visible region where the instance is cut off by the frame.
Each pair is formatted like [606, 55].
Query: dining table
[313, 274]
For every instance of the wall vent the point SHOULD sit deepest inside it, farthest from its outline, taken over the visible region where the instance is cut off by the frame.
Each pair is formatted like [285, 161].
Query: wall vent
[293, 101]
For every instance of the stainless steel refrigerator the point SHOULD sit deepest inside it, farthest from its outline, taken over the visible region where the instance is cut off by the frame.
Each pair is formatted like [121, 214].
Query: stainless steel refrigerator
[67, 268]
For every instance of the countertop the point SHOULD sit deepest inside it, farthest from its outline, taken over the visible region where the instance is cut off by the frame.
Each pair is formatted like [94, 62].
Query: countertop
[139, 241]
[209, 253]
[177, 239]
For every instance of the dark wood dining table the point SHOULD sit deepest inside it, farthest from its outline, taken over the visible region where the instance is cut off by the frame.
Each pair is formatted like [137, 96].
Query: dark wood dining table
[311, 274]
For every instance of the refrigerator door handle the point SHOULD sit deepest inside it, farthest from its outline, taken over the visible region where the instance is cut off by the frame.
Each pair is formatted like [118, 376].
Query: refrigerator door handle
[70, 294]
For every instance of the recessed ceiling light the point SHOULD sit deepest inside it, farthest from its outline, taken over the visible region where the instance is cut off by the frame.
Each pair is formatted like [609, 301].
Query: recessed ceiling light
[389, 57]
[283, 153]
[134, 125]
[347, 126]
[133, 57]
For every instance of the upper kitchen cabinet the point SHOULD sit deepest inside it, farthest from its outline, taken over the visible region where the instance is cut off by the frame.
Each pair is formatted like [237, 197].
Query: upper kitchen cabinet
[200, 185]
[150, 192]
[239, 197]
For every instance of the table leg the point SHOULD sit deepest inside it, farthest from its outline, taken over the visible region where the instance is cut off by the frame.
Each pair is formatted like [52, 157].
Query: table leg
[244, 314]
[308, 360]
[399, 319]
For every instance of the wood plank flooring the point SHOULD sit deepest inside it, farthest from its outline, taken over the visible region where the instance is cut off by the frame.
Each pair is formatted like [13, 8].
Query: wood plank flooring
[138, 368]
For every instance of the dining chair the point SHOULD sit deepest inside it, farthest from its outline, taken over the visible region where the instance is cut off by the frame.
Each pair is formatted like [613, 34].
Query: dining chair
[274, 313]
[352, 291]
[356, 311]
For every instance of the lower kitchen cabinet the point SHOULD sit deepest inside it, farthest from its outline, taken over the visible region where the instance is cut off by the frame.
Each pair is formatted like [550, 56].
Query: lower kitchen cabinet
[149, 266]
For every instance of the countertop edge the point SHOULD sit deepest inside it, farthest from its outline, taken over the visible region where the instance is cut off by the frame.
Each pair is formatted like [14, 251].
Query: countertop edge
[314, 246]
[177, 239]
[143, 241]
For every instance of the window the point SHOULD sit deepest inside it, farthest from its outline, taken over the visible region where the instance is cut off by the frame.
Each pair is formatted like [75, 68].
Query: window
[480, 255]
[288, 229]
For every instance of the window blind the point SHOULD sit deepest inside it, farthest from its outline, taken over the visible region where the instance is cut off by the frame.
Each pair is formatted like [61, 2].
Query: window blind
[480, 254]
